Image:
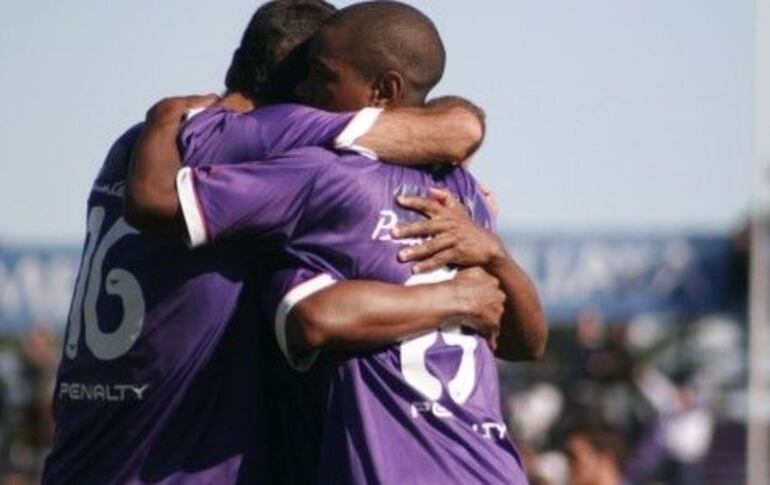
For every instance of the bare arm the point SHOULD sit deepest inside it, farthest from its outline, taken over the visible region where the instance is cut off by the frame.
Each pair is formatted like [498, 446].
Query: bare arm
[448, 129]
[355, 315]
[456, 239]
[151, 203]
[523, 331]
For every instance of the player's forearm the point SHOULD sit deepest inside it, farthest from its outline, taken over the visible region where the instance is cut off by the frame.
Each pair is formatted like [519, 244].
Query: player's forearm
[151, 203]
[358, 315]
[448, 130]
[524, 329]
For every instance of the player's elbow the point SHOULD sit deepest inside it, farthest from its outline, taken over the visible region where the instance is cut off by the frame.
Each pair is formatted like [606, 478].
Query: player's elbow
[528, 345]
[535, 345]
[471, 129]
[312, 325]
[536, 349]
[138, 213]
[135, 210]
[314, 334]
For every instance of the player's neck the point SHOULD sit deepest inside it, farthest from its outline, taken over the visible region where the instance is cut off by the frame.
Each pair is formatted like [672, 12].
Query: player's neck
[235, 101]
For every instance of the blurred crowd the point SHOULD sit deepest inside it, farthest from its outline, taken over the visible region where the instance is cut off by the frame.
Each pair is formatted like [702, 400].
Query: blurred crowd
[27, 374]
[639, 401]
[651, 400]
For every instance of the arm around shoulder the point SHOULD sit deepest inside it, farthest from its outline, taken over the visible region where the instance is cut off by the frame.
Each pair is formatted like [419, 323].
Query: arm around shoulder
[448, 129]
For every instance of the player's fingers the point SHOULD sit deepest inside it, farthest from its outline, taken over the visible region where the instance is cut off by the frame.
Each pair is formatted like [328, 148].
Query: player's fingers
[174, 107]
[424, 228]
[439, 195]
[425, 250]
[445, 198]
[434, 262]
[202, 100]
[166, 107]
[420, 204]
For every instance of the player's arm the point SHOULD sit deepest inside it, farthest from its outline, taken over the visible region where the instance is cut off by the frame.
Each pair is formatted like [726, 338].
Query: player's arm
[456, 239]
[321, 313]
[360, 314]
[448, 129]
[151, 202]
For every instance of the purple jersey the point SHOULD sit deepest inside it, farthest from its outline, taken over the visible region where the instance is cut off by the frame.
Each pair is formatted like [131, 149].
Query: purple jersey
[424, 411]
[160, 381]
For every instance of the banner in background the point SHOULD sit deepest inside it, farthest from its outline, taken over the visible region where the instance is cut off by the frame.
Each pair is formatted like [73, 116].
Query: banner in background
[619, 276]
[36, 286]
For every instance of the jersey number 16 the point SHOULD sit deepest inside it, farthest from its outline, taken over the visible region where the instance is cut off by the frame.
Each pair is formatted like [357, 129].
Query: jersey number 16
[118, 282]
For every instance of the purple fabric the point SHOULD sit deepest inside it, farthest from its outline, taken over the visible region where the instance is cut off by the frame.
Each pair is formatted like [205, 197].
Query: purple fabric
[332, 214]
[173, 394]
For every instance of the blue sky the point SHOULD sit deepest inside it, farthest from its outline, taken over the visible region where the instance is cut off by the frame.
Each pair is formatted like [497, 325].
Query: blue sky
[603, 115]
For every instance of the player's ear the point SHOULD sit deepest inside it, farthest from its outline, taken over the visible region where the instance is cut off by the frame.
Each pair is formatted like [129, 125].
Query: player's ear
[388, 90]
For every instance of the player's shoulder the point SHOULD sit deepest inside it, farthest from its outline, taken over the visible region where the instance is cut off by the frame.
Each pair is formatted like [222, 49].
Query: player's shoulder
[127, 140]
[115, 164]
[204, 118]
[467, 188]
[462, 180]
[281, 110]
[311, 155]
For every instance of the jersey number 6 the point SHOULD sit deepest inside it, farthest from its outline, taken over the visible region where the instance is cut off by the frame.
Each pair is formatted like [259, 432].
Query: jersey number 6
[414, 353]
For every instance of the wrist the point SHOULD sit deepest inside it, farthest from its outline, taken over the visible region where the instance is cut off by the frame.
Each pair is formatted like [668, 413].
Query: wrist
[497, 259]
[455, 300]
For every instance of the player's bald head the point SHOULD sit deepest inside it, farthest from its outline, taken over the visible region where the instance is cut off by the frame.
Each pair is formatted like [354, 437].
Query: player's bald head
[381, 36]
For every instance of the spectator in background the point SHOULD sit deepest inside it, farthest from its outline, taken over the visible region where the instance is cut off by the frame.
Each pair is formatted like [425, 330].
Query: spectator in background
[27, 369]
[683, 429]
[40, 352]
[596, 454]
[599, 368]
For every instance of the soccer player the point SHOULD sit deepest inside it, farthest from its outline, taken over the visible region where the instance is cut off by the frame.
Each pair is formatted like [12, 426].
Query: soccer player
[160, 380]
[425, 410]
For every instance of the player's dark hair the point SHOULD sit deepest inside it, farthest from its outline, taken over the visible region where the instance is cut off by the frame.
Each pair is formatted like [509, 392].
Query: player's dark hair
[603, 438]
[269, 62]
[389, 35]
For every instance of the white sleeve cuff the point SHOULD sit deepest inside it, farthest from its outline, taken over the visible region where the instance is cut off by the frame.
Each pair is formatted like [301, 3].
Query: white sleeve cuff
[361, 123]
[191, 210]
[294, 296]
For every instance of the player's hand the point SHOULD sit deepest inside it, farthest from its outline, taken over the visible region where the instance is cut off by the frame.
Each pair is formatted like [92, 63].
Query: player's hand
[174, 108]
[480, 295]
[454, 237]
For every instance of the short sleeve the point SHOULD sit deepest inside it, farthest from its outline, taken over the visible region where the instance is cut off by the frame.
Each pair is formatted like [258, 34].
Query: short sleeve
[284, 127]
[260, 198]
[217, 136]
[288, 288]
